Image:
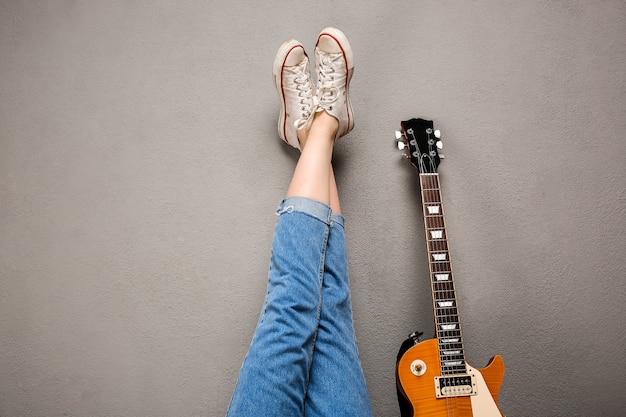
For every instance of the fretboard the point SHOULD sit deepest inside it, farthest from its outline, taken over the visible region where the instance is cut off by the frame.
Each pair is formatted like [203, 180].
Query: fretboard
[447, 322]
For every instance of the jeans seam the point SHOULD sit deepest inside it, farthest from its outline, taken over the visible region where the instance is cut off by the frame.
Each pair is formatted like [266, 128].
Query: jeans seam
[319, 305]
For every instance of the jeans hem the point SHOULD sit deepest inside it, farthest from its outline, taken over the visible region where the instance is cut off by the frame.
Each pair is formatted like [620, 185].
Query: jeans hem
[311, 207]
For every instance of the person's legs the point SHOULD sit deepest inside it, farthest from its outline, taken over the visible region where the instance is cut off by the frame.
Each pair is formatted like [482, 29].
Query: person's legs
[311, 178]
[337, 384]
[335, 205]
[275, 373]
[303, 356]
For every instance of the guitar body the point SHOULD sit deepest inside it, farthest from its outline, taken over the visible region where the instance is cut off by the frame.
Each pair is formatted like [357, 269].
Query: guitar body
[418, 392]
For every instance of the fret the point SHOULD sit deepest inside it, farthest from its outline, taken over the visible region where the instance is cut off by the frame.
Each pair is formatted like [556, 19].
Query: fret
[443, 289]
[452, 319]
[440, 287]
[437, 244]
[451, 351]
[431, 197]
[451, 368]
[448, 321]
[452, 334]
[455, 335]
[447, 312]
[447, 315]
[451, 346]
[452, 360]
[444, 295]
[449, 332]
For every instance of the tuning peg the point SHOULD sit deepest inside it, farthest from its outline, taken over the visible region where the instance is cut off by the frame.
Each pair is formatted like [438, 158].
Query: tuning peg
[438, 134]
[441, 156]
[439, 145]
[400, 140]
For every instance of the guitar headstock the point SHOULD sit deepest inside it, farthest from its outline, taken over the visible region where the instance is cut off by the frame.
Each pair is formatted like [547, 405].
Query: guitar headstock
[423, 144]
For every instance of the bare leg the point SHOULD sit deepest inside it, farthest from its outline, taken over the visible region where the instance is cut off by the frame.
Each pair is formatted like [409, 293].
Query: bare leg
[334, 193]
[313, 177]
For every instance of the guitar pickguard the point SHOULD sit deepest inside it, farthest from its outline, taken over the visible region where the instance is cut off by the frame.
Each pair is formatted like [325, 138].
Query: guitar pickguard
[483, 404]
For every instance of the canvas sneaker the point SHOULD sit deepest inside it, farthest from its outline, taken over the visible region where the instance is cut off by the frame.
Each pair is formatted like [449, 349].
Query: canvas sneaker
[292, 79]
[334, 64]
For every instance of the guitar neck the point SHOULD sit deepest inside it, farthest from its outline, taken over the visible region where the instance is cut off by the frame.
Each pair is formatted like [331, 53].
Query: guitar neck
[447, 321]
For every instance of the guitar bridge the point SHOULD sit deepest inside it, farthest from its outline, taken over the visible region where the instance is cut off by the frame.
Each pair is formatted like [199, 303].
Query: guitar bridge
[462, 385]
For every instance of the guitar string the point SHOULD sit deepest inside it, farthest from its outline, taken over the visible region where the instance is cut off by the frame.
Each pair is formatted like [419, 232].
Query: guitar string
[432, 194]
[451, 409]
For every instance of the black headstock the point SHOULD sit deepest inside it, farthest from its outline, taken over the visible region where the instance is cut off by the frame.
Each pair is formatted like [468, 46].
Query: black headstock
[423, 143]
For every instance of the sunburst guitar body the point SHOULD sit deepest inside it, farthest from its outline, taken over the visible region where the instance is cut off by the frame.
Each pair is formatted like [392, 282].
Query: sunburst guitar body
[433, 378]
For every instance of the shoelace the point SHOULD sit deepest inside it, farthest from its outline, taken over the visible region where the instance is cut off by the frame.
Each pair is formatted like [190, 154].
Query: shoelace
[305, 89]
[327, 92]
[307, 114]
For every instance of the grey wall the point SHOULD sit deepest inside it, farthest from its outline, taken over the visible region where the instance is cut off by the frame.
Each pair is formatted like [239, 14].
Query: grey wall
[140, 169]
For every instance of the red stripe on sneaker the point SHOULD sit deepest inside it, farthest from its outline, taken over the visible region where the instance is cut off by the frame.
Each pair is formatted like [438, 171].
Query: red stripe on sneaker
[282, 90]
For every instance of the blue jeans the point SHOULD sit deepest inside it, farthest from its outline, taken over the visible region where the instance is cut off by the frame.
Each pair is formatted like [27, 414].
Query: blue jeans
[303, 359]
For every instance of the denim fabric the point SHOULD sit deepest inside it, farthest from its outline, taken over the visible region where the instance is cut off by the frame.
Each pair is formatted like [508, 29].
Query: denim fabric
[303, 358]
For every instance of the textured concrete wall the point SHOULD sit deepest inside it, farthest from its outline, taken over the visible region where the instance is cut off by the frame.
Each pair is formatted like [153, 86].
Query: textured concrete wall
[140, 168]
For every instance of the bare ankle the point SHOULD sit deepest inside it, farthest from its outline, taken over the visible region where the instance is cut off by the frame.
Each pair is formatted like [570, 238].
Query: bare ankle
[303, 135]
[326, 123]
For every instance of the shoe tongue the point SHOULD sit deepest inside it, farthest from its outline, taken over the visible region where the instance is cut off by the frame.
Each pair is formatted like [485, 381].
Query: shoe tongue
[295, 57]
[328, 45]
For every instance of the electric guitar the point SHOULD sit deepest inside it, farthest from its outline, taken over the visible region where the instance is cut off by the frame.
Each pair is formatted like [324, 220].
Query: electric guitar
[432, 377]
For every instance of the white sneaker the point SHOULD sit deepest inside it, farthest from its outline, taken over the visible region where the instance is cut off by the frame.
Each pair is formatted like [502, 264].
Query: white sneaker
[334, 63]
[292, 79]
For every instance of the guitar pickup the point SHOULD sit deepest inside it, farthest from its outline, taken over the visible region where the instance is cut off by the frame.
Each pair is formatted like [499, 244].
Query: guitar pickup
[462, 385]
